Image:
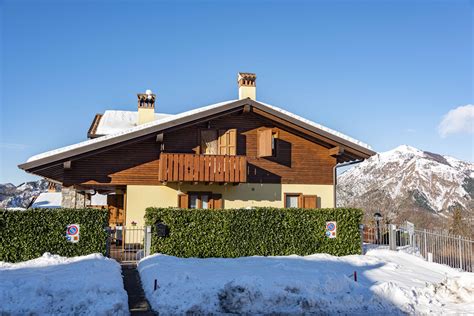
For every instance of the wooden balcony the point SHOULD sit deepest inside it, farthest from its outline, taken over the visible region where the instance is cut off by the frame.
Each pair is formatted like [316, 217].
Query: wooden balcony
[202, 168]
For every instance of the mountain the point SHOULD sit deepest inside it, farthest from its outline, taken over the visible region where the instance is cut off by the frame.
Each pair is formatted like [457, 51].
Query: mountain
[406, 180]
[12, 196]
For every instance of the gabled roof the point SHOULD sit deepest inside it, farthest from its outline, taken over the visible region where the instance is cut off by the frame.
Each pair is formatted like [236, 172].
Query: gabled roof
[166, 122]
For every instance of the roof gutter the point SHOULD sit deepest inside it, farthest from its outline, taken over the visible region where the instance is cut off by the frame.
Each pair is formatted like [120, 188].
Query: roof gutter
[334, 174]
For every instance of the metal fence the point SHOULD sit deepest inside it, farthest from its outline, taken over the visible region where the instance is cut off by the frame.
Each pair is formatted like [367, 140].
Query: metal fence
[434, 246]
[128, 244]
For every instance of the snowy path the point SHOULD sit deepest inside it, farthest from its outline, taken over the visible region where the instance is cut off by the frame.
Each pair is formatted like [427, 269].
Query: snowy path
[388, 281]
[54, 285]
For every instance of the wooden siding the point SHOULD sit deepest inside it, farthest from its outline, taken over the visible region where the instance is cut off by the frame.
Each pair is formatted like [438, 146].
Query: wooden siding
[299, 159]
[135, 163]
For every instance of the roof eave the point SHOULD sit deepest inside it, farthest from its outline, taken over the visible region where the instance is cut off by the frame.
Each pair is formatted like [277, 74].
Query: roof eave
[63, 156]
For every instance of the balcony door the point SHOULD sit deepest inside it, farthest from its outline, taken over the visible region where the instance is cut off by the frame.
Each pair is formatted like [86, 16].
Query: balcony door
[219, 142]
[209, 143]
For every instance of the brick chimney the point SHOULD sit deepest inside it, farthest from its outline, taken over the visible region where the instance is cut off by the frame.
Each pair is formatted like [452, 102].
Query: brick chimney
[146, 107]
[247, 85]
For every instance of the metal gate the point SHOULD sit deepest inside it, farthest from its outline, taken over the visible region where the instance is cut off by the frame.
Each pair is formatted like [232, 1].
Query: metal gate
[128, 244]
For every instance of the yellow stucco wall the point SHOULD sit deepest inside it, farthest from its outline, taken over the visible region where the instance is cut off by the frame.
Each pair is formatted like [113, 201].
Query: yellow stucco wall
[139, 197]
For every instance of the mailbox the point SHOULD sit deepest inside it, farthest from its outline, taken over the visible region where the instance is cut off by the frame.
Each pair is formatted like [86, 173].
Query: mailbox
[161, 229]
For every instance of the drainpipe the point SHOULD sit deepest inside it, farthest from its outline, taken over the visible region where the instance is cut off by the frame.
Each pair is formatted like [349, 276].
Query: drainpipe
[334, 173]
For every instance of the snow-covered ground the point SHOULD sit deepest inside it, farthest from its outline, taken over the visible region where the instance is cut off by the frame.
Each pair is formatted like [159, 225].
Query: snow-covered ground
[388, 282]
[54, 285]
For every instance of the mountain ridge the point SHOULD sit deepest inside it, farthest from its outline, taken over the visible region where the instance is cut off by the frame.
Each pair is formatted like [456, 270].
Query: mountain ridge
[408, 179]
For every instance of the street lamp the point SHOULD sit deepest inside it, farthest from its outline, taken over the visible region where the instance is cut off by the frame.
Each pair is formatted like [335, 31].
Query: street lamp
[378, 217]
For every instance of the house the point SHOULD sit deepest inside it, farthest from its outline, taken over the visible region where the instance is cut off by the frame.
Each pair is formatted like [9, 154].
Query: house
[232, 154]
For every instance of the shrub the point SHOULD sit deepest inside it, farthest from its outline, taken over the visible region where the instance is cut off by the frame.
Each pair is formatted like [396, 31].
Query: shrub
[262, 231]
[25, 235]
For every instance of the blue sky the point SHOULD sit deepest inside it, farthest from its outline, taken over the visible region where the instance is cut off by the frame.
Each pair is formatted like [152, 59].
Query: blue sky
[384, 72]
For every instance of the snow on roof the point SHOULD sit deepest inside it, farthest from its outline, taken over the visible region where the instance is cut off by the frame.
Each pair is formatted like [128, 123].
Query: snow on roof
[116, 121]
[48, 200]
[322, 127]
[166, 118]
[126, 131]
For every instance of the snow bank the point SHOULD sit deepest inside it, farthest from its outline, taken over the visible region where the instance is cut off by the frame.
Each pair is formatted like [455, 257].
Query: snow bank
[87, 285]
[388, 282]
[48, 200]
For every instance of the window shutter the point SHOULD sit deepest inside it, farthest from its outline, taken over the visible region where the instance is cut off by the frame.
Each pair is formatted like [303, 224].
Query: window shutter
[183, 201]
[228, 142]
[232, 142]
[264, 143]
[217, 201]
[310, 201]
[223, 142]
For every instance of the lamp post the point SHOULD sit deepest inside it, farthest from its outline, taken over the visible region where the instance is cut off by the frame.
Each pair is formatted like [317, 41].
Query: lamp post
[377, 217]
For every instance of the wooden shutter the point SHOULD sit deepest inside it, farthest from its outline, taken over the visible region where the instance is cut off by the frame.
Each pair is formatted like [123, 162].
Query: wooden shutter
[209, 144]
[310, 201]
[216, 201]
[228, 142]
[223, 142]
[183, 201]
[264, 143]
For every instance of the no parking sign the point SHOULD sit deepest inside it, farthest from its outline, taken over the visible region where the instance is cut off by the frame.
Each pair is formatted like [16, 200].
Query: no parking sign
[72, 233]
[331, 229]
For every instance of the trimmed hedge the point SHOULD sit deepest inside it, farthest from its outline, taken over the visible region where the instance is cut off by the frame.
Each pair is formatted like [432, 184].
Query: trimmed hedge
[26, 235]
[232, 233]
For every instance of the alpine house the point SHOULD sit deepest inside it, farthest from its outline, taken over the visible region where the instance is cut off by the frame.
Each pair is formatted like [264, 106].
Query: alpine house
[233, 154]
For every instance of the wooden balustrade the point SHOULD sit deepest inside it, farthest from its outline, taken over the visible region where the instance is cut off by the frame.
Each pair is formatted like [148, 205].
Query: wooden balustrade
[202, 168]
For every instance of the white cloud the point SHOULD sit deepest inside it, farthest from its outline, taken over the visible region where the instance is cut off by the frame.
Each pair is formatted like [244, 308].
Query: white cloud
[458, 120]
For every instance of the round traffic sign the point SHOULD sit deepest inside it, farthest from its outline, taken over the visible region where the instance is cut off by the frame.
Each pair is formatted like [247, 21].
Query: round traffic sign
[331, 226]
[72, 230]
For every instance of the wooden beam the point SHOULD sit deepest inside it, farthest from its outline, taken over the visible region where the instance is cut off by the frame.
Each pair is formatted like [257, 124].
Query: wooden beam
[336, 151]
[67, 164]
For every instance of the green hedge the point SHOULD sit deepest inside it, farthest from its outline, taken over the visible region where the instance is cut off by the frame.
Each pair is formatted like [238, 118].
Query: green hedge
[28, 234]
[261, 231]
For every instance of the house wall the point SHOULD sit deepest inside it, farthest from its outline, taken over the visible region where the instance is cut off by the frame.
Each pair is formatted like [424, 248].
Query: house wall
[139, 197]
[298, 160]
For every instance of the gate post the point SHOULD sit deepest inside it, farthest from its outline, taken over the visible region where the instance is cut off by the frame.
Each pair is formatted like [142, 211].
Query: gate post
[107, 242]
[460, 252]
[147, 241]
[392, 237]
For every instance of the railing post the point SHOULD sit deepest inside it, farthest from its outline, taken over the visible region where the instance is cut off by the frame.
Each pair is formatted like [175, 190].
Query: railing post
[392, 237]
[147, 241]
[425, 246]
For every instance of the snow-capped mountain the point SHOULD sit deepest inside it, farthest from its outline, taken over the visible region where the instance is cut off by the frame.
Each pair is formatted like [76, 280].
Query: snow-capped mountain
[408, 179]
[12, 196]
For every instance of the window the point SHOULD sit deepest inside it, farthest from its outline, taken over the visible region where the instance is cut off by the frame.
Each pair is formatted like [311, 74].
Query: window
[193, 201]
[292, 200]
[298, 200]
[219, 142]
[203, 200]
[274, 144]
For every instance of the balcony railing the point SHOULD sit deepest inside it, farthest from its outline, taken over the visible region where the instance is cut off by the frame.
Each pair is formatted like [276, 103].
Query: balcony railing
[202, 168]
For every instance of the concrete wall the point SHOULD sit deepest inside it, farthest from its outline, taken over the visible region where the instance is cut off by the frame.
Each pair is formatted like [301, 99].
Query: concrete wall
[139, 197]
